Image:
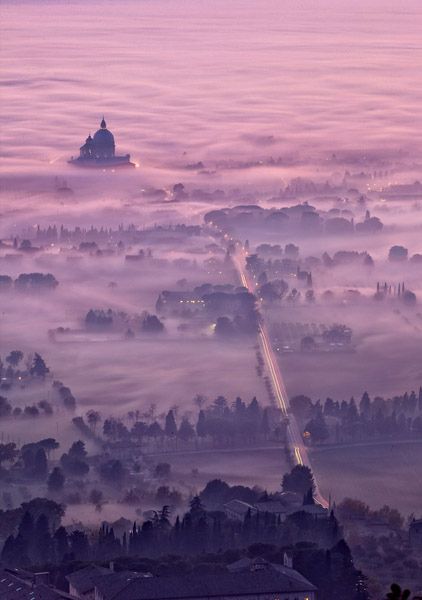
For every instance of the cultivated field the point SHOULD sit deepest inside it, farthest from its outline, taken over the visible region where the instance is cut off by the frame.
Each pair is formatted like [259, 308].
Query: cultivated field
[262, 467]
[378, 473]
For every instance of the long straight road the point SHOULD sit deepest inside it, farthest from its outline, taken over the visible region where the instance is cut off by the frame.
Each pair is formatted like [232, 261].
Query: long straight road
[295, 440]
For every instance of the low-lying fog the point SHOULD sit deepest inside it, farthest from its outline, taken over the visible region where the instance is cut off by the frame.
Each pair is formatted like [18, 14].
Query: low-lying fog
[234, 101]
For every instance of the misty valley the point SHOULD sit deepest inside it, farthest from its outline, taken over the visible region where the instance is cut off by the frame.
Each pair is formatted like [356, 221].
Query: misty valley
[211, 304]
[142, 363]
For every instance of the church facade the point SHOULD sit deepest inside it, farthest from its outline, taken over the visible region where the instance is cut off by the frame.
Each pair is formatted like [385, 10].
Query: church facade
[100, 151]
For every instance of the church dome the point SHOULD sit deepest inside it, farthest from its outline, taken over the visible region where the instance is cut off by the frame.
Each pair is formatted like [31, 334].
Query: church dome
[103, 142]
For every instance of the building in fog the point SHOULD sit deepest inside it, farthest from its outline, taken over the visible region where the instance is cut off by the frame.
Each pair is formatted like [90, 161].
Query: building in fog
[100, 151]
[237, 510]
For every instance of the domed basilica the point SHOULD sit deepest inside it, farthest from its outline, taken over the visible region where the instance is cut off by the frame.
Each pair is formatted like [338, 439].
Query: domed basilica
[99, 151]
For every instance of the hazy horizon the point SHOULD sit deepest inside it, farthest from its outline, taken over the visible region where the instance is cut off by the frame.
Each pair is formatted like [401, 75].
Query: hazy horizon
[175, 77]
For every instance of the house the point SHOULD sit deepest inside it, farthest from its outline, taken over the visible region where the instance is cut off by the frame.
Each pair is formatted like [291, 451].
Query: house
[16, 584]
[260, 564]
[178, 302]
[262, 582]
[108, 586]
[316, 510]
[284, 506]
[254, 564]
[237, 509]
[82, 583]
[93, 583]
[274, 507]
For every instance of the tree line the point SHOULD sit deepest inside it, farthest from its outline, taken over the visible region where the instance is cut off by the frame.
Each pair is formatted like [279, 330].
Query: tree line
[378, 417]
[18, 370]
[223, 423]
[29, 282]
[197, 531]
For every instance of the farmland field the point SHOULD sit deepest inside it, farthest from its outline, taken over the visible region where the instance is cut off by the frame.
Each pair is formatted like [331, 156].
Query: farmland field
[378, 473]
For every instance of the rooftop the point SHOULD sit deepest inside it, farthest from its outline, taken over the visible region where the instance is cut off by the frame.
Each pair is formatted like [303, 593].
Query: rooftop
[261, 581]
[239, 507]
[272, 506]
[12, 587]
[86, 579]
[255, 564]
[110, 585]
